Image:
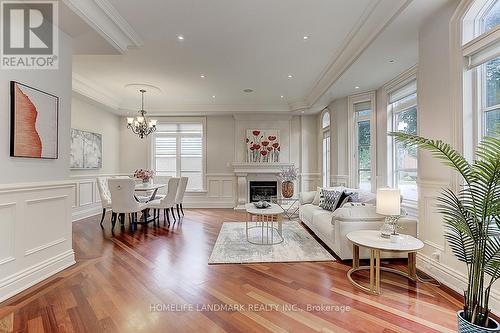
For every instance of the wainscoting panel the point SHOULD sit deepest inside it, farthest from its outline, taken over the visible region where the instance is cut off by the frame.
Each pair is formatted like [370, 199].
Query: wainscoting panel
[7, 227]
[86, 193]
[35, 237]
[54, 214]
[220, 193]
[87, 200]
[221, 189]
[309, 181]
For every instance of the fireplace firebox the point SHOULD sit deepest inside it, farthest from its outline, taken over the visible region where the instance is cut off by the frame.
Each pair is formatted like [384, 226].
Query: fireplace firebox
[263, 190]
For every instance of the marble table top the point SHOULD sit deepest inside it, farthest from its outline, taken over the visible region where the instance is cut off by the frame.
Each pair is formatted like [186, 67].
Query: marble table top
[372, 239]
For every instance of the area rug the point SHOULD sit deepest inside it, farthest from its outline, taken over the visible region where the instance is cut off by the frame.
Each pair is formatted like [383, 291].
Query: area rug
[298, 245]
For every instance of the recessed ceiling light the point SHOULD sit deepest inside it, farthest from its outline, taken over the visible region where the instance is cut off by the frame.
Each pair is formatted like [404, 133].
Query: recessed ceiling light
[282, 96]
[202, 76]
[305, 37]
[213, 96]
[248, 90]
[180, 37]
[392, 61]
[290, 76]
[357, 87]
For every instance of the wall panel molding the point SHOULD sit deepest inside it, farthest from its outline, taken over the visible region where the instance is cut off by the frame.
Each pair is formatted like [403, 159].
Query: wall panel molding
[36, 237]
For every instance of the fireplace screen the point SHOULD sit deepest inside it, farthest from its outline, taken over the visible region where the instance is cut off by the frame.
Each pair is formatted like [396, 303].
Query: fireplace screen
[263, 190]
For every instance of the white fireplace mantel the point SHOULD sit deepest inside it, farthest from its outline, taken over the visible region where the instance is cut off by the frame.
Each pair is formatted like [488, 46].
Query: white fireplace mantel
[243, 170]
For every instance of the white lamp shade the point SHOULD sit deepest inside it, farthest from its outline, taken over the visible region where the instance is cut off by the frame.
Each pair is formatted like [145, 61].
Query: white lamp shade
[130, 120]
[388, 201]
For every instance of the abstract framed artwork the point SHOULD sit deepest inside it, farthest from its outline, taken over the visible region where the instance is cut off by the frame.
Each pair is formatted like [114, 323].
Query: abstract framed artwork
[33, 122]
[86, 150]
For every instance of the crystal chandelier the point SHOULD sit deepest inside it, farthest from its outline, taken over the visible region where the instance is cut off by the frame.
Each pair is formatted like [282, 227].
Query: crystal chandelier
[141, 125]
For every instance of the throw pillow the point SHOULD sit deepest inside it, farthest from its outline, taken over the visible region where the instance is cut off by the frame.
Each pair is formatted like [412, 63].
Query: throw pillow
[341, 199]
[353, 197]
[316, 197]
[328, 199]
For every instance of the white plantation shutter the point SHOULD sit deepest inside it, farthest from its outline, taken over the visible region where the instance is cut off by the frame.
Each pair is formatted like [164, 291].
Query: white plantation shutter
[178, 152]
[192, 161]
[165, 156]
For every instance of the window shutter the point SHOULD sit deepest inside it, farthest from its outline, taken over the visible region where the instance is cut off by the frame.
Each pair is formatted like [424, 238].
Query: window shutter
[482, 48]
[405, 91]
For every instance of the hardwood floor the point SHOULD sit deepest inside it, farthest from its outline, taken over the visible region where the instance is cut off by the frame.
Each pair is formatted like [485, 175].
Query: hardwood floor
[121, 281]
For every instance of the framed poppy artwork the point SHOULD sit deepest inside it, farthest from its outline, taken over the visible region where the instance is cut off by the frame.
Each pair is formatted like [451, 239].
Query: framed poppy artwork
[263, 146]
[33, 122]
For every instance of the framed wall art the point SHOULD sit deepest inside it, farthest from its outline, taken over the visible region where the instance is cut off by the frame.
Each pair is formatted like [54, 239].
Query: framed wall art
[33, 122]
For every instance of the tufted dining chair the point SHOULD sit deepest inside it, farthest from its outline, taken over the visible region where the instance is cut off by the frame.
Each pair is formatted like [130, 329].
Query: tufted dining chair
[123, 200]
[102, 186]
[167, 202]
[180, 195]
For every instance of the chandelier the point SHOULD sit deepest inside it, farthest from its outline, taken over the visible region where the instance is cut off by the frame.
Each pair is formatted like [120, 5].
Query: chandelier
[141, 125]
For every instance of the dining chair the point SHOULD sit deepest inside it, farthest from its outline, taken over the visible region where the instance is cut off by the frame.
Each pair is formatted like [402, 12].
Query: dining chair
[180, 196]
[167, 202]
[123, 201]
[102, 186]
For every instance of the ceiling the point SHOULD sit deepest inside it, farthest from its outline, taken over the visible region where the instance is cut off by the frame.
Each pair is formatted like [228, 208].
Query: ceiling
[239, 45]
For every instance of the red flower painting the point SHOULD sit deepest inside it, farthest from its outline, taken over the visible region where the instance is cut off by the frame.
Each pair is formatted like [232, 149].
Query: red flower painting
[262, 146]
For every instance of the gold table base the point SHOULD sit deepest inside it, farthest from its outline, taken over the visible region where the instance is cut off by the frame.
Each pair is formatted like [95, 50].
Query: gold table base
[375, 269]
[265, 223]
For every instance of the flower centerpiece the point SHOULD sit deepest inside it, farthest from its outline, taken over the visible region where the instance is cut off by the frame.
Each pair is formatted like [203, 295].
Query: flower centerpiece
[287, 176]
[144, 174]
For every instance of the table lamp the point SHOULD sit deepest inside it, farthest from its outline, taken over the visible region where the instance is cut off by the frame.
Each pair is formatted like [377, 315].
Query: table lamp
[389, 204]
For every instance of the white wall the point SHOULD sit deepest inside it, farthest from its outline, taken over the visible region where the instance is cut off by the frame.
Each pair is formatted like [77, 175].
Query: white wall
[56, 82]
[35, 196]
[339, 131]
[90, 116]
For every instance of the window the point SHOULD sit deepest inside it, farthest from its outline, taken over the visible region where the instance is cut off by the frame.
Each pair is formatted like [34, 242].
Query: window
[363, 142]
[403, 118]
[481, 49]
[490, 104]
[178, 152]
[325, 125]
[362, 147]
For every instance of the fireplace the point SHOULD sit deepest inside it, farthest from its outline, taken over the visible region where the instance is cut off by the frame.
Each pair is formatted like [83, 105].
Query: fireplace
[262, 190]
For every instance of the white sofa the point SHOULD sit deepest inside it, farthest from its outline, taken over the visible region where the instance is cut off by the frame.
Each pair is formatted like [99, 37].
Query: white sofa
[332, 227]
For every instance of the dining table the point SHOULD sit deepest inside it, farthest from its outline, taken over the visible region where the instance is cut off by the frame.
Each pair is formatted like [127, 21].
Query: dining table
[147, 187]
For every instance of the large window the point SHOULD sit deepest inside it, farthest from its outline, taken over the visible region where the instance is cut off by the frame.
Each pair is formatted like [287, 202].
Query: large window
[490, 104]
[481, 50]
[325, 126]
[403, 118]
[178, 152]
[363, 143]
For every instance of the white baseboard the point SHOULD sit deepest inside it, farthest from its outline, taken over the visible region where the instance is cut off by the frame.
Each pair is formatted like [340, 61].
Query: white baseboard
[452, 278]
[77, 215]
[16, 283]
[208, 204]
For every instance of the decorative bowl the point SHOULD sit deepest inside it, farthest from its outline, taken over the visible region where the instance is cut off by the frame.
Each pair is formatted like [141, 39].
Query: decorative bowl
[261, 204]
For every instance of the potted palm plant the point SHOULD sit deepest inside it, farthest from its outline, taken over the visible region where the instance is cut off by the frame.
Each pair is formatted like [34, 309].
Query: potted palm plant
[472, 223]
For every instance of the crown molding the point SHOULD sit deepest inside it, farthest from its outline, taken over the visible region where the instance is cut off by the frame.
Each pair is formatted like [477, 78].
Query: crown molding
[105, 20]
[299, 105]
[376, 17]
[400, 80]
[92, 91]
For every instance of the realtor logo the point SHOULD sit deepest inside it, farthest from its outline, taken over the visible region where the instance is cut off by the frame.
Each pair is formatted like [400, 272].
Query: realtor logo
[29, 34]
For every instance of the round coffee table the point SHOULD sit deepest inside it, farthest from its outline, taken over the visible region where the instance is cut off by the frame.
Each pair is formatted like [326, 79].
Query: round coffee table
[372, 240]
[268, 222]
